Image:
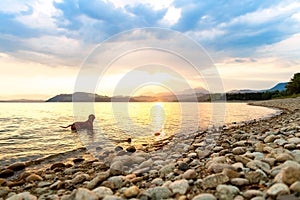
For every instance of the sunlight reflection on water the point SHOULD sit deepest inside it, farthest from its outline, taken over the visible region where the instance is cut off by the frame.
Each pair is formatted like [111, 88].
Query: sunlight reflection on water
[31, 130]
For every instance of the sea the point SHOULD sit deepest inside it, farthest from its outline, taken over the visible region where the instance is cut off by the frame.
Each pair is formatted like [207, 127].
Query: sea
[30, 131]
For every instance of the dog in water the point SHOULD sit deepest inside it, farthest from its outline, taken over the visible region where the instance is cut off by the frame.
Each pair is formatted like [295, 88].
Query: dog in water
[88, 124]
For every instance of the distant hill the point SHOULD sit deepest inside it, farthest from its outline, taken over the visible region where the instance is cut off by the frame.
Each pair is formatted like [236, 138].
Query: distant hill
[280, 87]
[79, 97]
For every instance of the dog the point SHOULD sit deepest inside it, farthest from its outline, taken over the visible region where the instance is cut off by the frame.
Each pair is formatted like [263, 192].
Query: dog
[88, 125]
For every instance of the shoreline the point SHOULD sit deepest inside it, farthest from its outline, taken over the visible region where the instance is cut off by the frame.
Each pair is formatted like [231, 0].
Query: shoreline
[244, 160]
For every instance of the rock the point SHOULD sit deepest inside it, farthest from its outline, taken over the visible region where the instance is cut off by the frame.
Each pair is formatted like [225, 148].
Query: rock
[44, 184]
[190, 174]
[83, 193]
[239, 181]
[158, 181]
[259, 147]
[141, 171]
[97, 180]
[116, 168]
[295, 186]
[239, 150]
[290, 175]
[146, 164]
[57, 165]
[4, 191]
[77, 160]
[117, 181]
[112, 197]
[218, 167]
[183, 166]
[118, 148]
[280, 142]
[231, 173]
[214, 180]
[278, 189]
[80, 178]
[294, 140]
[21, 196]
[17, 166]
[70, 171]
[54, 185]
[2, 181]
[226, 192]
[166, 169]
[131, 149]
[159, 193]
[256, 176]
[270, 138]
[242, 159]
[6, 173]
[101, 191]
[252, 193]
[192, 155]
[257, 164]
[133, 191]
[179, 186]
[33, 177]
[284, 157]
[204, 196]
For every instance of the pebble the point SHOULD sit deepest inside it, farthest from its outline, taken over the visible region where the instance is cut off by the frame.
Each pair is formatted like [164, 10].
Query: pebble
[295, 186]
[239, 150]
[34, 177]
[183, 166]
[101, 191]
[270, 138]
[57, 165]
[179, 186]
[167, 169]
[83, 193]
[21, 196]
[97, 180]
[256, 176]
[112, 197]
[248, 194]
[278, 189]
[214, 180]
[117, 181]
[80, 178]
[226, 192]
[4, 191]
[190, 174]
[159, 193]
[239, 181]
[205, 196]
[290, 175]
[132, 191]
[6, 173]
[17, 166]
[284, 157]
[131, 149]
[158, 181]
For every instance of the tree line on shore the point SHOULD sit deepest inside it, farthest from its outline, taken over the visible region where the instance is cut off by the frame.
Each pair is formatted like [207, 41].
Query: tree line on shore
[292, 90]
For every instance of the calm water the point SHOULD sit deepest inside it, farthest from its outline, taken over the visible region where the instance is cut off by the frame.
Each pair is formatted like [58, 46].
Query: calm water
[31, 130]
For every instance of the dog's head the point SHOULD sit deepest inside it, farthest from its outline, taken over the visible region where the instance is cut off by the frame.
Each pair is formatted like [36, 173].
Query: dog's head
[91, 117]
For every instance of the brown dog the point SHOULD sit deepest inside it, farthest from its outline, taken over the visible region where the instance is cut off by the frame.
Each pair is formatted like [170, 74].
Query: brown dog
[82, 125]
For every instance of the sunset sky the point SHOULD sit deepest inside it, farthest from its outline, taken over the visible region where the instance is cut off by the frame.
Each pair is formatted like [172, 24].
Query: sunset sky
[253, 44]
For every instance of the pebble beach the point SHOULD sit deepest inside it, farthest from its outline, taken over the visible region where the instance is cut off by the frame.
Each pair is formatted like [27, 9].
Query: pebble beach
[254, 160]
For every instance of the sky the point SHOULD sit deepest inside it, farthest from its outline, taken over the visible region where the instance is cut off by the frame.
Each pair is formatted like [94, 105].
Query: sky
[44, 44]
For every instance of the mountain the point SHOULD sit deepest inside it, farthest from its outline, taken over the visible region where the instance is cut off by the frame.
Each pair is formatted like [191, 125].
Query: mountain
[79, 97]
[280, 87]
